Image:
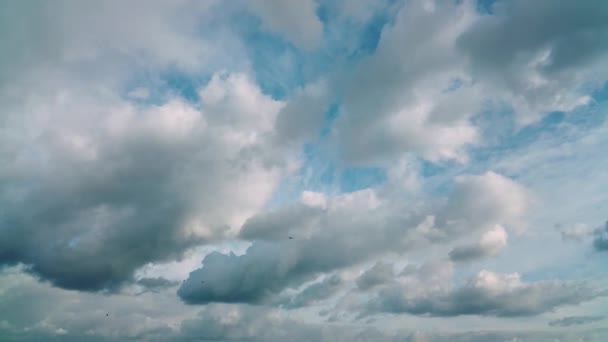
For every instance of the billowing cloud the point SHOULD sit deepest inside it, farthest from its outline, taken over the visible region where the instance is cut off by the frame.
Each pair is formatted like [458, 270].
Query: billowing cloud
[88, 202]
[345, 233]
[222, 150]
[484, 200]
[491, 243]
[393, 105]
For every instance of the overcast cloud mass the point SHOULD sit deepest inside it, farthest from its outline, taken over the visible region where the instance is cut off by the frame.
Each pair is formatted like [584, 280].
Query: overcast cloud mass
[306, 170]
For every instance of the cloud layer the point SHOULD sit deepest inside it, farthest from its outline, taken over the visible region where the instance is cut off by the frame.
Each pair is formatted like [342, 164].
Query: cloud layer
[312, 170]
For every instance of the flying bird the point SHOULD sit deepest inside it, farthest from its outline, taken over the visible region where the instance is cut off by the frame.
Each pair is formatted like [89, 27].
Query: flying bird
[290, 237]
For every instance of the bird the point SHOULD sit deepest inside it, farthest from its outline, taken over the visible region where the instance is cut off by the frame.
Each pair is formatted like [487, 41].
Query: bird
[290, 237]
[106, 315]
[202, 282]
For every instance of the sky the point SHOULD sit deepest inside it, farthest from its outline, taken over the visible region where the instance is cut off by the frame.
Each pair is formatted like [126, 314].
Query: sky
[310, 170]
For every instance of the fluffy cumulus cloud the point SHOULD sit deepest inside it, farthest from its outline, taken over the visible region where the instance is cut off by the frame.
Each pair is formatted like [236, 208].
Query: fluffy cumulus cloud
[126, 189]
[293, 245]
[491, 244]
[313, 170]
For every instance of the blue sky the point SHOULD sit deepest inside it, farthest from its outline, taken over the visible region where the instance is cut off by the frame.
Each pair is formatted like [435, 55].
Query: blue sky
[314, 170]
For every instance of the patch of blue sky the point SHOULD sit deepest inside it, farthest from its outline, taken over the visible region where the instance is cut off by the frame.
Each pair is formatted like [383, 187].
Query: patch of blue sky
[355, 38]
[507, 142]
[358, 178]
[321, 172]
[600, 94]
[485, 6]
[280, 67]
[330, 116]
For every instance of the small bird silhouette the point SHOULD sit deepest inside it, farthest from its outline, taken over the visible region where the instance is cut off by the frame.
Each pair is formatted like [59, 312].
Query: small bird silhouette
[106, 315]
[291, 238]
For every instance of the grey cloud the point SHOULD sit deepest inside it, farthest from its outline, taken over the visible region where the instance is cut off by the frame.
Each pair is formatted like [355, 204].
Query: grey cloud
[296, 21]
[303, 114]
[484, 200]
[157, 283]
[393, 105]
[576, 233]
[238, 323]
[600, 238]
[527, 45]
[352, 229]
[517, 33]
[491, 294]
[340, 239]
[523, 56]
[315, 292]
[467, 253]
[490, 244]
[380, 273]
[88, 201]
[33, 311]
[64, 35]
[575, 320]
[279, 225]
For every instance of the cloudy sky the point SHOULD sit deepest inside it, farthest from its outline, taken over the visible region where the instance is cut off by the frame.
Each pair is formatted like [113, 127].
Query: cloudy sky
[306, 170]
